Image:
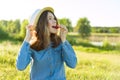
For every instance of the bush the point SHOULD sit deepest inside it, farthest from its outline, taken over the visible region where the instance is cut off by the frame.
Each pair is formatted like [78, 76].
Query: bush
[107, 45]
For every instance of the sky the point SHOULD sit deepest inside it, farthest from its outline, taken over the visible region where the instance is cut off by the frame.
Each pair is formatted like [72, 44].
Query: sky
[98, 12]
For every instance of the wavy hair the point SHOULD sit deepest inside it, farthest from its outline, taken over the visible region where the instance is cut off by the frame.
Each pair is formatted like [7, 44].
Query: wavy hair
[44, 37]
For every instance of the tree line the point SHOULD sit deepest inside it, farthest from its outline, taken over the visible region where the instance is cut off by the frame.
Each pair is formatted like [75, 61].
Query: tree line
[98, 29]
[83, 27]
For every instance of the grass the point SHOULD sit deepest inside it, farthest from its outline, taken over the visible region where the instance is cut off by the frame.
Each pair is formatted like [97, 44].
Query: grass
[94, 62]
[90, 66]
[8, 56]
[86, 46]
[98, 49]
[95, 67]
[106, 34]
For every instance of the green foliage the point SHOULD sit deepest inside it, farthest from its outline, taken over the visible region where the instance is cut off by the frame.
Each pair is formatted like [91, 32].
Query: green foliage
[106, 44]
[85, 45]
[3, 24]
[8, 57]
[3, 34]
[67, 23]
[10, 26]
[84, 27]
[74, 41]
[118, 46]
[89, 66]
[101, 29]
[23, 29]
[17, 26]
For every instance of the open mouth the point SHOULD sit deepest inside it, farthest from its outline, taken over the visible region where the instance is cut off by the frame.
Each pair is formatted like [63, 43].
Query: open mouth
[56, 27]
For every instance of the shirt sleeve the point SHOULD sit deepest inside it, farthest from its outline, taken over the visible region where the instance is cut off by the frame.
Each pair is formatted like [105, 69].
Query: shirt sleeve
[24, 56]
[69, 55]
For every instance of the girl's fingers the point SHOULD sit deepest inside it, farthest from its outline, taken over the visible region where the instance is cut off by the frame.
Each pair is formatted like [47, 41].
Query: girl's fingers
[64, 29]
[29, 27]
[34, 33]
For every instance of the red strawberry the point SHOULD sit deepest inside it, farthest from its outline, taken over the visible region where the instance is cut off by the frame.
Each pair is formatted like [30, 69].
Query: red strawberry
[56, 27]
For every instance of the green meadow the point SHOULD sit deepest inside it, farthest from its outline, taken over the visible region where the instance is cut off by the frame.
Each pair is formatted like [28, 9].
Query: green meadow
[94, 62]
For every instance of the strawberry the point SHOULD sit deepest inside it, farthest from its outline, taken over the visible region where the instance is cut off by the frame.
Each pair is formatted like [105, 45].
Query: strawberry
[56, 27]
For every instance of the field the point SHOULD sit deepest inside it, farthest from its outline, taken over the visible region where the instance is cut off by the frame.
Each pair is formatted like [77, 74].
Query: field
[95, 67]
[98, 37]
[90, 66]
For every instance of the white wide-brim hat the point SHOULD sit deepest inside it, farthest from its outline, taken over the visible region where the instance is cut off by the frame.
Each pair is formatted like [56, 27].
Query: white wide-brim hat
[35, 16]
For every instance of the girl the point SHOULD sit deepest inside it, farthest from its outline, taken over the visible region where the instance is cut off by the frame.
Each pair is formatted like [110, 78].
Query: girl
[45, 49]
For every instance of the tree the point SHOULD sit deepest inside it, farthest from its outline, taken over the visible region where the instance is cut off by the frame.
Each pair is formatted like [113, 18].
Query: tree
[84, 27]
[23, 29]
[3, 24]
[17, 26]
[114, 30]
[3, 33]
[67, 23]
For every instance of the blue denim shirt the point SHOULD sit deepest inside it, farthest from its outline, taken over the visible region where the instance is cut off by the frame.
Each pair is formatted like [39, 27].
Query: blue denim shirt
[47, 64]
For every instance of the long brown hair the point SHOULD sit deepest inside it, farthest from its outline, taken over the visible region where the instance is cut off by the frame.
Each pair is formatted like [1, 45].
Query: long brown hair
[44, 37]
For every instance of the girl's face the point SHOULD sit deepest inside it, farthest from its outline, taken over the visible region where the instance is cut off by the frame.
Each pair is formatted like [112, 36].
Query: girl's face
[51, 22]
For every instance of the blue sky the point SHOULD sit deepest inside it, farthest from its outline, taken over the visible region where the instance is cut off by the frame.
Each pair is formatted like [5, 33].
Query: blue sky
[98, 12]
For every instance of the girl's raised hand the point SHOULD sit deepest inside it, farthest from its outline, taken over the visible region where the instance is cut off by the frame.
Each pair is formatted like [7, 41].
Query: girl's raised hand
[30, 34]
[63, 32]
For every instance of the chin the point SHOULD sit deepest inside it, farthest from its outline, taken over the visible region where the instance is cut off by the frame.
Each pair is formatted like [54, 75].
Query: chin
[54, 32]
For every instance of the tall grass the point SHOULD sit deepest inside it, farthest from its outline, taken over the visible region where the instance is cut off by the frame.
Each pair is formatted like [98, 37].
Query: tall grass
[90, 66]
[95, 67]
[8, 71]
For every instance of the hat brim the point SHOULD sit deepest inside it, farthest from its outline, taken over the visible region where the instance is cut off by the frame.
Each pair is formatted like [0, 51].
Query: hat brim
[35, 16]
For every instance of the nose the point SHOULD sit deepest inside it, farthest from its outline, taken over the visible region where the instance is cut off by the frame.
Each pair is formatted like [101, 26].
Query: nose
[54, 21]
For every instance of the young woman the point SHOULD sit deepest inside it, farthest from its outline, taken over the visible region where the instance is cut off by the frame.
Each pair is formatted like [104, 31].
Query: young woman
[45, 49]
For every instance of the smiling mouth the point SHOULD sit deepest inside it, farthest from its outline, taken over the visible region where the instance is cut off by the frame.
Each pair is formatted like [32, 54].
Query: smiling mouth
[56, 27]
